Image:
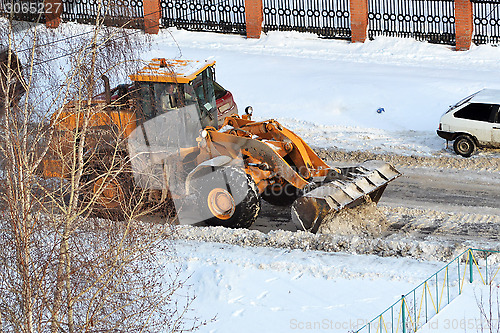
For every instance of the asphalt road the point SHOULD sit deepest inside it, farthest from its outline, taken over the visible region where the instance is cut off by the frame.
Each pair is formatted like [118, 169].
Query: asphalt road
[443, 190]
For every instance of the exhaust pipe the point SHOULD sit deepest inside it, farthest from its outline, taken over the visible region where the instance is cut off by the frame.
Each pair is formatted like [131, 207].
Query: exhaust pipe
[107, 89]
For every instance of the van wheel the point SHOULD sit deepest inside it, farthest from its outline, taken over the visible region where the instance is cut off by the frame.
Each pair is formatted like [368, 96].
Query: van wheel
[464, 145]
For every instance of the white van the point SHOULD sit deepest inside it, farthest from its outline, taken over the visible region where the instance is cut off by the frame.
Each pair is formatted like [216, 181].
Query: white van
[473, 122]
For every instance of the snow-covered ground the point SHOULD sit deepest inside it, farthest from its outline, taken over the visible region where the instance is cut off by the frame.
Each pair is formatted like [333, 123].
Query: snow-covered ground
[469, 312]
[251, 289]
[329, 91]
[254, 289]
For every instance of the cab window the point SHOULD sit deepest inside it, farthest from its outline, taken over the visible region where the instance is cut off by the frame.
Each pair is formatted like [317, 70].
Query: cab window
[156, 98]
[219, 91]
[204, 89]
[478, 111]
[166, 96]
[145, 100]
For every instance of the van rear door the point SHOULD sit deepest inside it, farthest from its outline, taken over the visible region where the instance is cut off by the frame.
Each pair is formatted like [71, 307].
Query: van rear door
[495, 133]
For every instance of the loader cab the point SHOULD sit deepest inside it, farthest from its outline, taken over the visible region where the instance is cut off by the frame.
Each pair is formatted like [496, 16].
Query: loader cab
[167, 85]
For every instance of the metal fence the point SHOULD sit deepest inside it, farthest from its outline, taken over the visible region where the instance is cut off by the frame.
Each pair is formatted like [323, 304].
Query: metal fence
[416, 308]
[429, 20]
[127, 13]
[205, 15]
[327, 18]
[486, 21]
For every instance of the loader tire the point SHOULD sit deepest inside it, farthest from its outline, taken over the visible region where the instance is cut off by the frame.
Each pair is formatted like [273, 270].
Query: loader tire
[111, 197]
[281, 194]
[228, 197]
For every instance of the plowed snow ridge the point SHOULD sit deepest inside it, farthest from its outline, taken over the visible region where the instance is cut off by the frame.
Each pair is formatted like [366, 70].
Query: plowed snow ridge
[408, 235]
[487, 161]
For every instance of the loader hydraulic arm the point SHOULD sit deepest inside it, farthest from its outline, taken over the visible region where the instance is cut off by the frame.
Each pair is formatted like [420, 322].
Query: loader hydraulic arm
[227, 144]
[286, 144]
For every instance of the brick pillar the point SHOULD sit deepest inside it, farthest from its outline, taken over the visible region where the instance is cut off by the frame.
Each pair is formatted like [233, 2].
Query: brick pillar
[463, 24]
[53, 11]
[152, 16]
[359, 20]
[254, 17]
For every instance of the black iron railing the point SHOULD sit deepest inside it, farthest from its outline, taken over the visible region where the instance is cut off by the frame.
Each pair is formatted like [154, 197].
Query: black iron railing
[486, 21]
[205, 15]
[127, 13]
[327, 18]
[429, 20]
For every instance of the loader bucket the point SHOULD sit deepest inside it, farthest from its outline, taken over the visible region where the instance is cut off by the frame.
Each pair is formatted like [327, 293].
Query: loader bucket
[348, 190]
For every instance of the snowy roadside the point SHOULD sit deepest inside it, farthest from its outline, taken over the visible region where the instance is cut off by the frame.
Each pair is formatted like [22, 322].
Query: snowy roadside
[280, 290]
[485, 161]
[391, 246]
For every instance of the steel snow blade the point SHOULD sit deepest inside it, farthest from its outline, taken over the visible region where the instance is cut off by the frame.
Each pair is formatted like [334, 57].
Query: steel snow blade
[351, 188]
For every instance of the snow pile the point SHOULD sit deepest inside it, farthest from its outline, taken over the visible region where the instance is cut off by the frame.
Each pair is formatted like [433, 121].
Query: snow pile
[363, 220]
[394, 246]
[486, 160]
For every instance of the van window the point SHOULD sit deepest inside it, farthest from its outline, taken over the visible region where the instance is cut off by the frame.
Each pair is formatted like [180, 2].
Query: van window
[478, 111]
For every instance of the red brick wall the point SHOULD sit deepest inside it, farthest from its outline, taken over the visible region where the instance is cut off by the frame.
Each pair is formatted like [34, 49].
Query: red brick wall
[152, 16]
[254, 18]
[463, 24]
[359, 20]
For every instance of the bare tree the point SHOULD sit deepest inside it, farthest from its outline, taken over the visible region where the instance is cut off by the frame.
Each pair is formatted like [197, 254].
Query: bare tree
[489, 309]
[62, 269]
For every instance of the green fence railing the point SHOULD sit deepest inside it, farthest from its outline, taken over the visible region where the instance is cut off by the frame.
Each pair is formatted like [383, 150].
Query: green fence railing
[416, 308]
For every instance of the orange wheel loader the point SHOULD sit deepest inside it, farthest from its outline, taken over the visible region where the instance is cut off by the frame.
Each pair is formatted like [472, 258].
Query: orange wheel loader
[180, 145]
